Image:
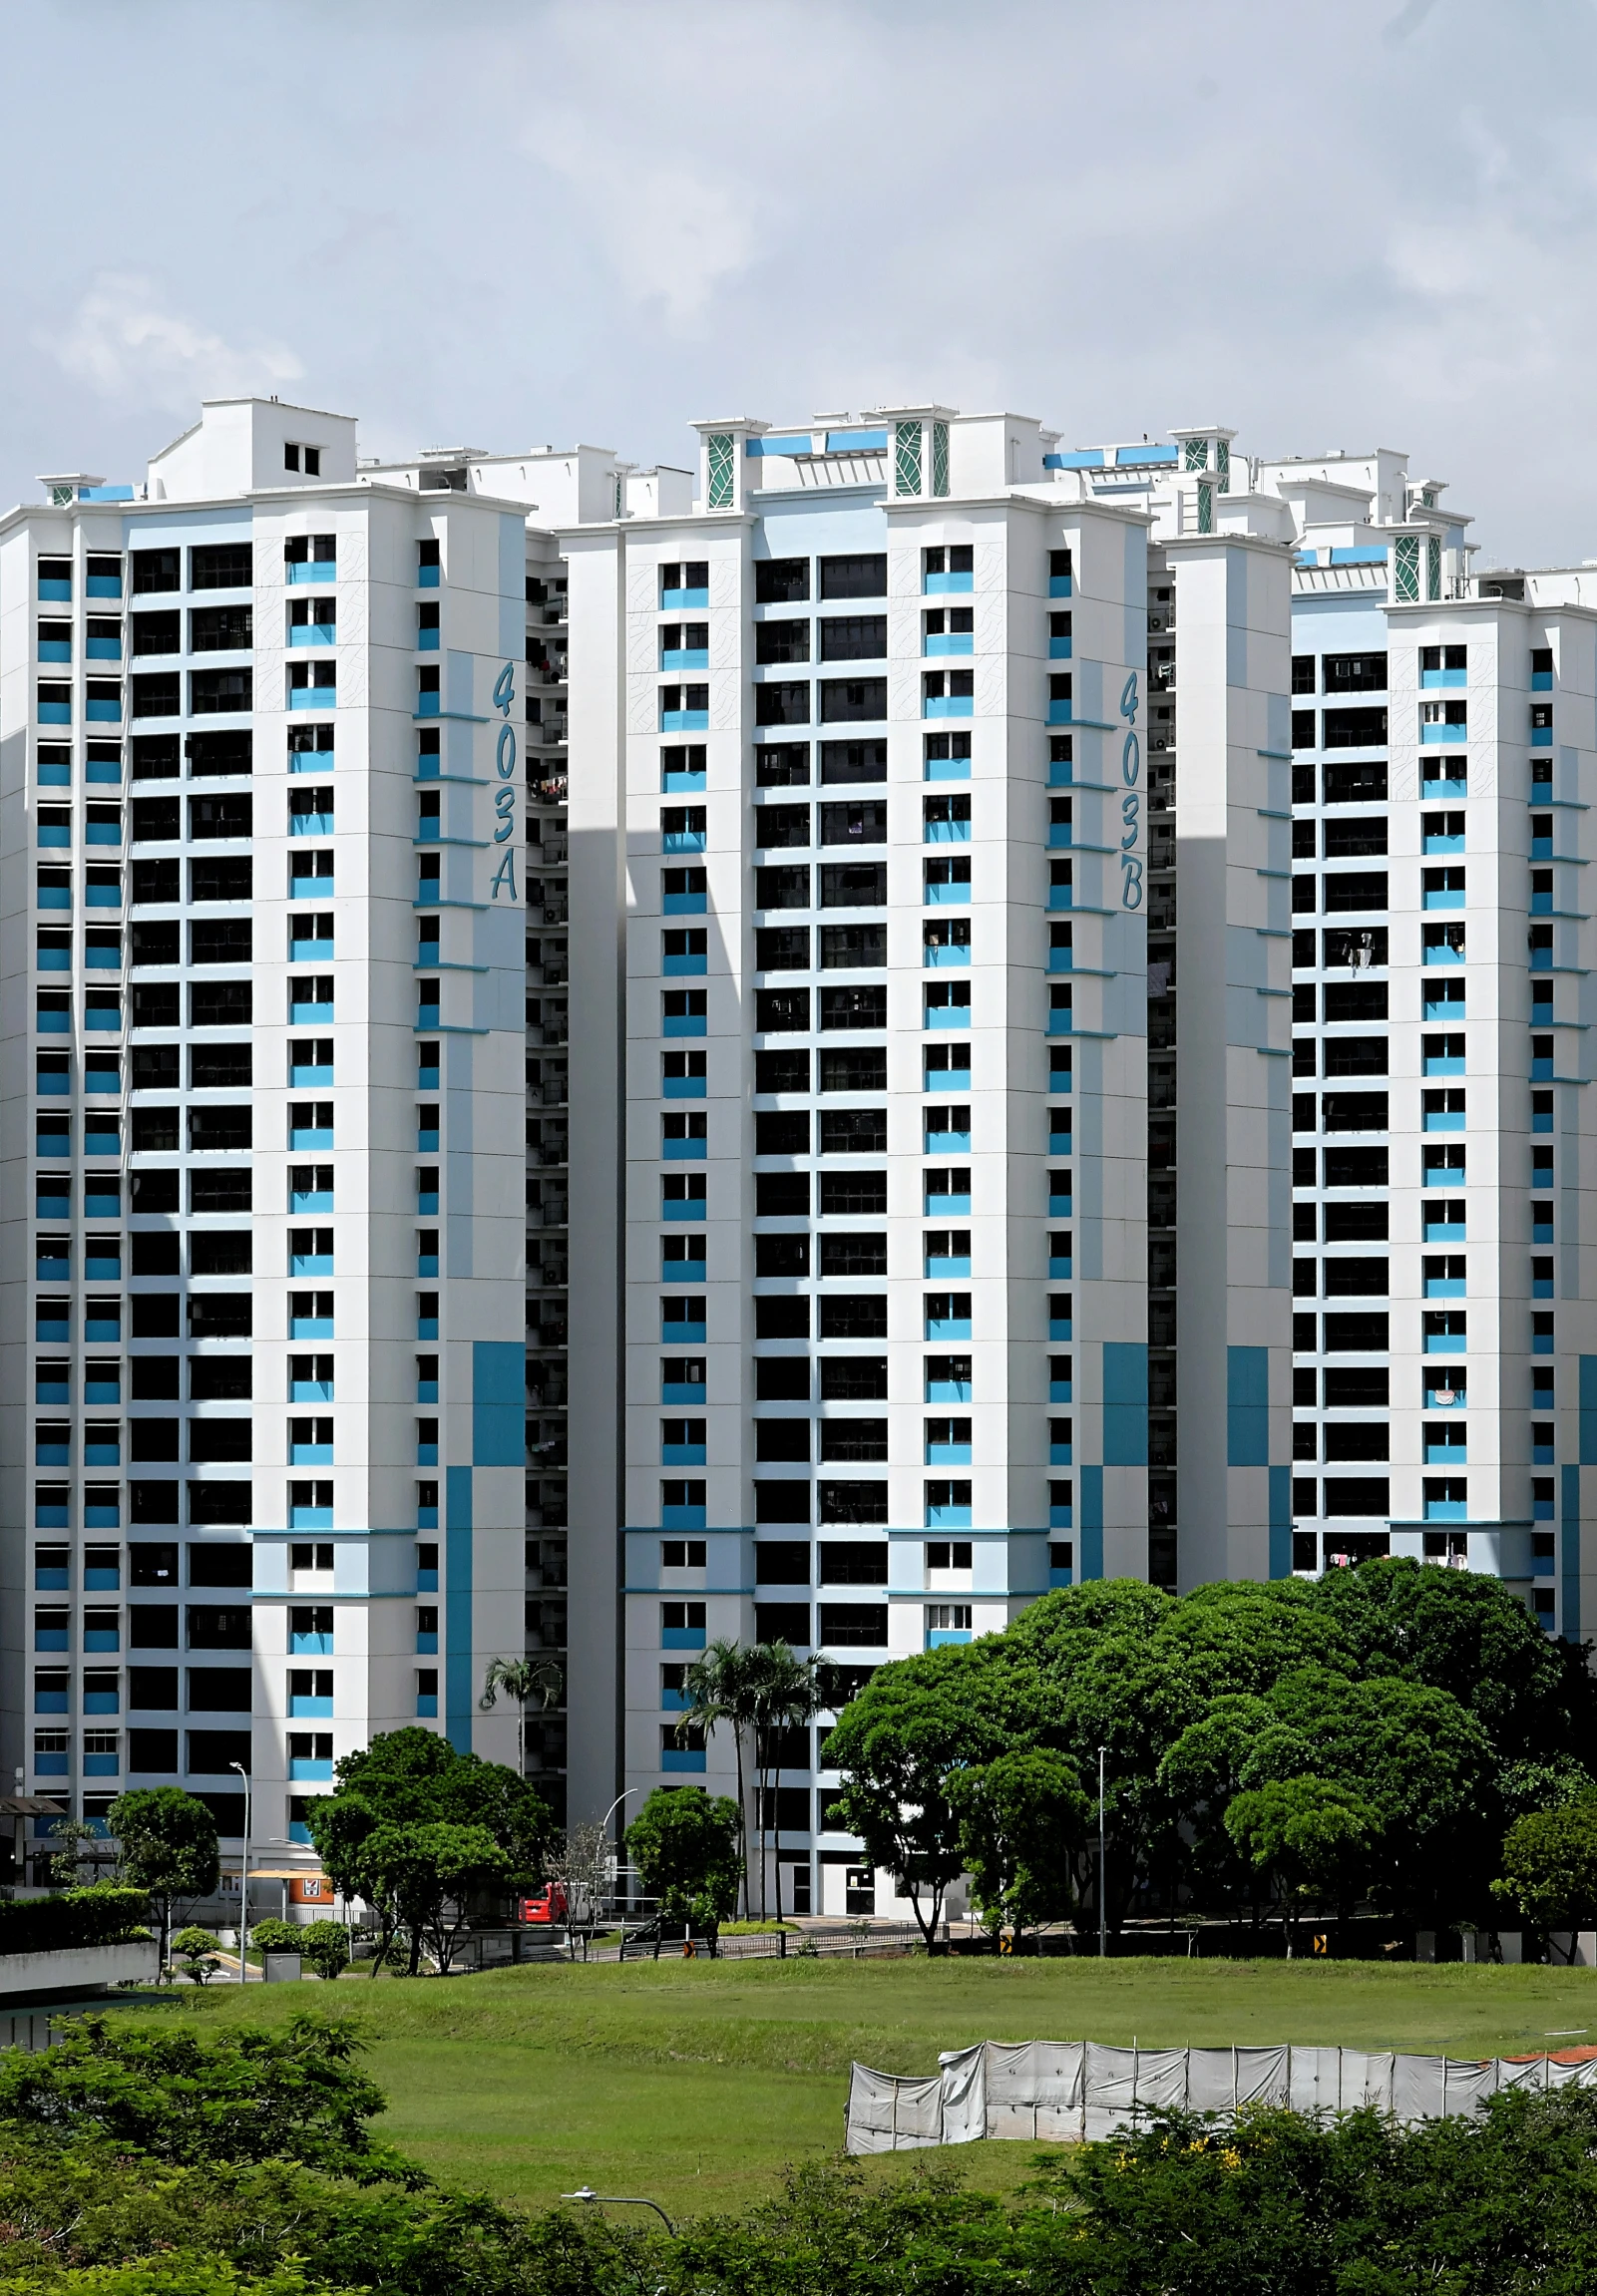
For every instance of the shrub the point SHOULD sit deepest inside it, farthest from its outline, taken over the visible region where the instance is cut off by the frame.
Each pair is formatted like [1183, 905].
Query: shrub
[273, 1936]
[325, 1945]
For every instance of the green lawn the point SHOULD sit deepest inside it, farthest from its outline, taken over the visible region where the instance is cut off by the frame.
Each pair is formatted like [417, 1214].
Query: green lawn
[696, 2083]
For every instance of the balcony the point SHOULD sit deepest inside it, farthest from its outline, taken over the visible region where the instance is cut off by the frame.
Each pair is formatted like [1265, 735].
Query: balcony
[949, 585]
[946, 706]
[947, 643]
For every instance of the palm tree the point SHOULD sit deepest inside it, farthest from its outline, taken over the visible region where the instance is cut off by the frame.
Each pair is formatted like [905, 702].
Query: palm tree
[521, 1680]
[721, 1687]
[788, 1696]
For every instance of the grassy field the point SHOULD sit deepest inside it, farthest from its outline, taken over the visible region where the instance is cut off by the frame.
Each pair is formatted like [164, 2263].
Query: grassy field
[697, 2082]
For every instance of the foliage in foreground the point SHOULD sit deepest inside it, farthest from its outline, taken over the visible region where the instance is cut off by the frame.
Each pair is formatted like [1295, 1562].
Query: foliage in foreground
[164, 2091]
[159, 2183]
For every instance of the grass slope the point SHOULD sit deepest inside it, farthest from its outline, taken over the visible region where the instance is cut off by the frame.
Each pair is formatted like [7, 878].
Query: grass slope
[697, 2082]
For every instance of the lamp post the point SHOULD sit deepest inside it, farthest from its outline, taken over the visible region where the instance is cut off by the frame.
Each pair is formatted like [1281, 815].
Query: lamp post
[586, 2192]
[243, 1884]
[604, 1827]
[1103, 1872]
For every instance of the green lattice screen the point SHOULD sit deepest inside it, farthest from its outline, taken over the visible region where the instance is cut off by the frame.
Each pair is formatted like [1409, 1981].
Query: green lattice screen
[905, 458]
[724, 471]
[1406, 560]
[940, 458]
[1197, 455]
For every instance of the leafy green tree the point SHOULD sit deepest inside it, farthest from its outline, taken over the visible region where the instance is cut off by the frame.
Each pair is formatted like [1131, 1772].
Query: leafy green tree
[1021, 1819]
[1314, 1836]
[685, 1848]
[1465, 1633]
[721, 1690]
[413, 1776]
[914, 1724]
[169, 2094]
[421, 1879]
[1549, 1867]
[168, 1846]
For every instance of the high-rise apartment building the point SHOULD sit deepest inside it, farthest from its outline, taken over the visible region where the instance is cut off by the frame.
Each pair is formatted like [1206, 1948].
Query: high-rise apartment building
[1039, 1036]
[876, 835]
[263, 786]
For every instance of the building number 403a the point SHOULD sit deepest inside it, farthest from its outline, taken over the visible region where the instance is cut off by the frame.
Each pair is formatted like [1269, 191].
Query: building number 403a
[1131, 801]
[505, 795]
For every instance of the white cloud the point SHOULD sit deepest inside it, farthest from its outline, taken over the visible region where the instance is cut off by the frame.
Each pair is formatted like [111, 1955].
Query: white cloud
[124, 345]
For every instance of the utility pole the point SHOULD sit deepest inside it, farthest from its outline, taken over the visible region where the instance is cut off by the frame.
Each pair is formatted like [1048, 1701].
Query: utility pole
[1103, 1872]
[244, 1885]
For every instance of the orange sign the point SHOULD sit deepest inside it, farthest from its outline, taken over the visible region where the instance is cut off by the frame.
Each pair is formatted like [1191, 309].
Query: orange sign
[310, 1889]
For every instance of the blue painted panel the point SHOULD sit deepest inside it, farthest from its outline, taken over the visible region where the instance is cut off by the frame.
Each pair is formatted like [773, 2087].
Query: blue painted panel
[1093, 1520]
[1569, 1543]
[793, 443]
[1081, 459]
[1280, 1522]
[1125, 1408]
[1588, 1410]
[1247, 1406]
[856, 442]
[458, 1684]
[498, 1378]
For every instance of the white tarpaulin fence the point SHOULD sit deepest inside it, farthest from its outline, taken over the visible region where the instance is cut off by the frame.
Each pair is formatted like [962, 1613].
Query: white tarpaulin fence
[1072, 2089]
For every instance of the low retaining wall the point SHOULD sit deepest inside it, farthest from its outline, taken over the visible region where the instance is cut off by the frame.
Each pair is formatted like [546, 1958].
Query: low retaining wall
[77, 1968]
[1070, 2090]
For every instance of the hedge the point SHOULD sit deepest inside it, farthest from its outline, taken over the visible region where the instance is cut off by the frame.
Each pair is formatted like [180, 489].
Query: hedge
[103, 1915]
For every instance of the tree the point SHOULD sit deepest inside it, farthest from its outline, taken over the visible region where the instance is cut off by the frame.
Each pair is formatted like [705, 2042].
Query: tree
[580, 1862]
[421, 1879]
[1021, 1819]
[248, 2095]
[1549, 1867]
[722, 1687]
[914, 1724]
[685, 1848]
[521, 1680]
[80, 1847]
[785, 1696]
[412, 1776]
[1312, 1835]
[168, 1846]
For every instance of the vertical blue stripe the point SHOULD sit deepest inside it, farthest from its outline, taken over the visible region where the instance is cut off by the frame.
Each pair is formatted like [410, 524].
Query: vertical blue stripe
[1588, 1410]
[1280, 1522]
[499, 1403]
[457, 1686]
[1092, 1523]
[1125, 1403]
[1247, 1406]
[1569, 1542]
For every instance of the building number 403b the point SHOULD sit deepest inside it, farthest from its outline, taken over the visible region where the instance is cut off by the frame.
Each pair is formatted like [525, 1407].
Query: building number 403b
[1130, 802]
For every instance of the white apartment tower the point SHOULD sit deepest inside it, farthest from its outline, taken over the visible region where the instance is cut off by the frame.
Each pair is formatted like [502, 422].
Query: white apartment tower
[871, 841]
[263, 783]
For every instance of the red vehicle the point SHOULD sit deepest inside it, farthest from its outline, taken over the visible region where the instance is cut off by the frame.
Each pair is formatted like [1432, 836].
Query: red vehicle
[550, 1907]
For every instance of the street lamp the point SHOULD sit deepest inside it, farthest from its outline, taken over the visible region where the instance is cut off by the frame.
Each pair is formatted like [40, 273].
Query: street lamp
[243, 1884]
[1104, 1870]
[617, 2199]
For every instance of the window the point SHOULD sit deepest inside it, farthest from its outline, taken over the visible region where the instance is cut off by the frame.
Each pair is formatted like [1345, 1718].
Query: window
[779, 642]
[1351, 673]
[219, 565]
[864, 576]
[303, 458]
[851, 637]
[781, 581]
[1303, 673]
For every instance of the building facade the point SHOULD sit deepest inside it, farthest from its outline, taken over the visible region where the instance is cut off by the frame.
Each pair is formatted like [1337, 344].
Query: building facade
[876, 809]
[261, 1120]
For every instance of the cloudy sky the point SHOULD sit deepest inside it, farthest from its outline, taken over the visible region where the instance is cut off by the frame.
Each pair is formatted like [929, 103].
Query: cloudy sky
[1329, 223]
